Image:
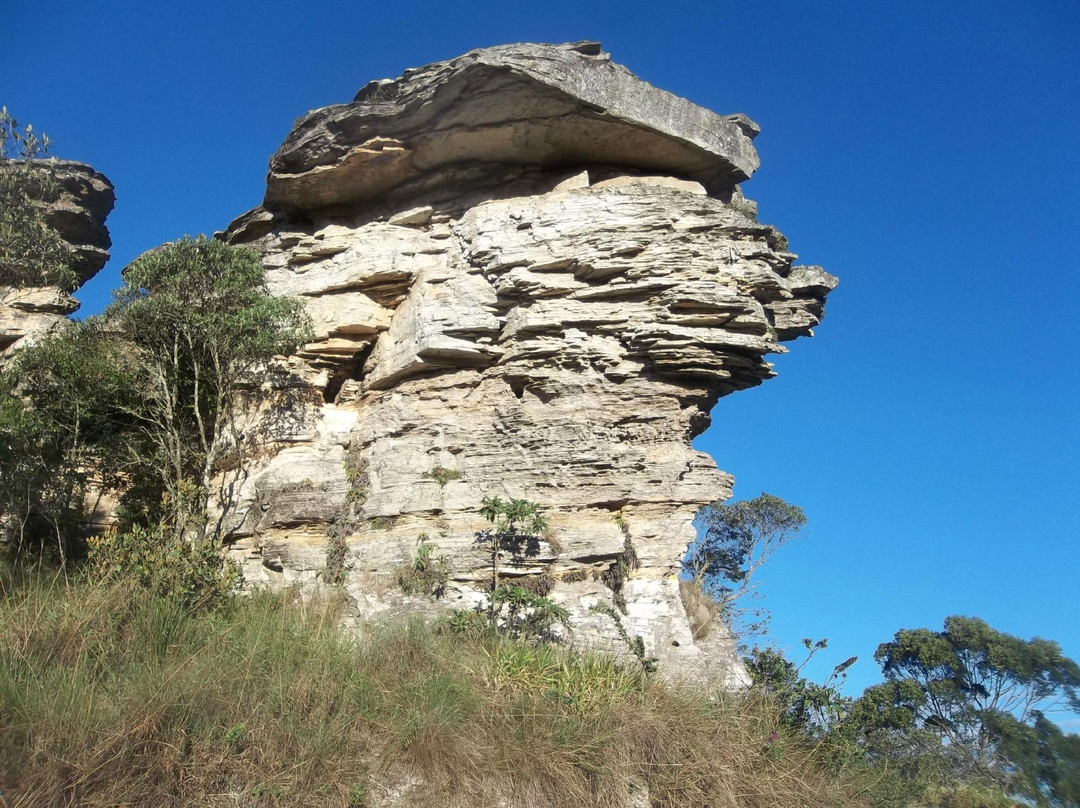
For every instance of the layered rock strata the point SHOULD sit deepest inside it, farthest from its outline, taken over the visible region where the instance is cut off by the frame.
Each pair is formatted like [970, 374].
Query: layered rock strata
[77, 212]
[531, 275]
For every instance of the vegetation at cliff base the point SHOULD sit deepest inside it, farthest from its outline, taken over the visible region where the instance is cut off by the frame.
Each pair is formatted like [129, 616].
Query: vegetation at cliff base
[115, 695]
[963, 717]
[145, 401]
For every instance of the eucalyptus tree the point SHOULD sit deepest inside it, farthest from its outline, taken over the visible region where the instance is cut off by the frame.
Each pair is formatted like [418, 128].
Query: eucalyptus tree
[735, 540]
[986, 697]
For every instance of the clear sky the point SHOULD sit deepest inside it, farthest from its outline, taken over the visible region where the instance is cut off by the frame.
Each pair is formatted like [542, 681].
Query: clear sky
[928, 153]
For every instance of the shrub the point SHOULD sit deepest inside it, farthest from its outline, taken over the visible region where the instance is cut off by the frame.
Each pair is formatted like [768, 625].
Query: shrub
[441, 475]
[635, 644]
[518, 611]
[426, 574]
[522, 614]
[193, 573]
[31, 252]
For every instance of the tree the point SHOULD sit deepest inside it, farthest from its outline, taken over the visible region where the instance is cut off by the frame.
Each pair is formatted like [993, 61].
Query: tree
[62, 421]
[147, 399]
[735, 541]
[983, 694]
[39, 491]
[200, 324]
[807, 707]
[517, 610]
[31, 252]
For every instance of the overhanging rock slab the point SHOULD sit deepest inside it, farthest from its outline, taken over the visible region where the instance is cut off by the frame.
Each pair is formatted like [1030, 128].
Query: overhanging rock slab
[524, 104]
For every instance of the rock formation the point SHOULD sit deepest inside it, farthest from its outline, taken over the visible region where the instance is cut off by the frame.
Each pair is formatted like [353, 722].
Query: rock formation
[78, 211]
[531, 275]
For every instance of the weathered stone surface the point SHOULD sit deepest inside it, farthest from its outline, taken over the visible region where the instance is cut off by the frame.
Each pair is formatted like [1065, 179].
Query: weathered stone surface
[78, 214]
[550, 329]
[544, 105]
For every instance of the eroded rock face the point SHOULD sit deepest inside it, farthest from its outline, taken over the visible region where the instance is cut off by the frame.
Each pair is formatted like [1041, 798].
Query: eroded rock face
[493, 320]
[78, 214]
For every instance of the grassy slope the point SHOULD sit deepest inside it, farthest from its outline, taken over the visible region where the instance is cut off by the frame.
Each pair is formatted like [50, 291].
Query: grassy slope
[109, 697]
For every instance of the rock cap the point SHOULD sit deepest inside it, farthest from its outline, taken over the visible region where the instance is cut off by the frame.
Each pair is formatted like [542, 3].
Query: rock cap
[523, 104]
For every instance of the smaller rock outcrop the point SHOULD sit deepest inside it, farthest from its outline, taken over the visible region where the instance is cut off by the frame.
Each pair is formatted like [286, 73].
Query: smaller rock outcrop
[77, 211]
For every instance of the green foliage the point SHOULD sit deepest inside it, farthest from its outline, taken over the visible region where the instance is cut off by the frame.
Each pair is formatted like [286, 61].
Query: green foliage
[427, 573]
[897, 770]
[512, 608]
[735, 541]
[523, 614]
[197, 315]
[356, 474]
[148, 397]
[441, 475]
[1047, 760]
[63, 412]
[616, 575]
[31, 252]
[983, 694]
[465, 622]
[807, 707]
[39, 497]
[192, 573]
[20, 144]
[357, 796]
[347, 522]
[635, 644]
[236, 738]
[337, 550]
[515, 517]
[959, 720]
[516, 524]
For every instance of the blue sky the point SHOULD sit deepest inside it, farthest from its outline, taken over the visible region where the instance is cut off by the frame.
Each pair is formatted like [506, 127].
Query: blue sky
[928, 153]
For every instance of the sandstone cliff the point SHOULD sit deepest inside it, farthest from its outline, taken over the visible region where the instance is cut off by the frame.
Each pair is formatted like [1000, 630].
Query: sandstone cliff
[531, 275]
[83, 200]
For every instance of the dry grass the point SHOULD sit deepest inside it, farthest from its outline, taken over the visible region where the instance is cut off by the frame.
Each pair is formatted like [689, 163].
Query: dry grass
[109, 697]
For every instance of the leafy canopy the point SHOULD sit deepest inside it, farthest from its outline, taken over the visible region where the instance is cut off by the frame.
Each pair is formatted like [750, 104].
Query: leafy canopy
[514, 516]
[970, 669]
[984, 694]
[201, 325]
[735, 540]
[147, 399]
[199, 299]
